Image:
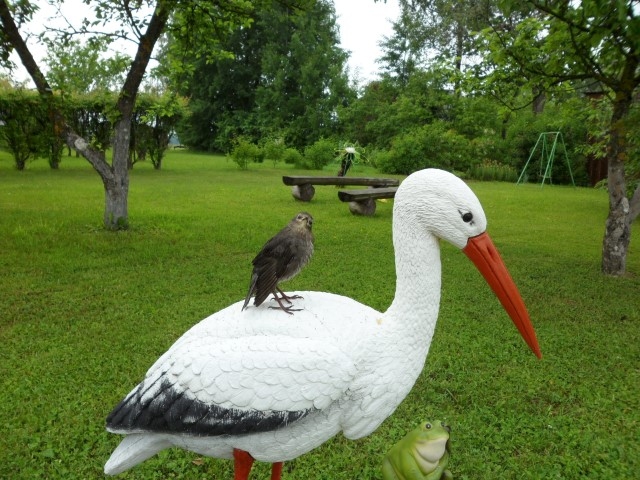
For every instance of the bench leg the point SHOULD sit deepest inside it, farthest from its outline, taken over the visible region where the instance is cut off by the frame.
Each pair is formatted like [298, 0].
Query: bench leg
[363, 207]
[303, 192]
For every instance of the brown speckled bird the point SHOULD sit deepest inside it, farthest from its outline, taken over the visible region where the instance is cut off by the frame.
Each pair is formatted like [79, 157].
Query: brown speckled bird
[281, 259]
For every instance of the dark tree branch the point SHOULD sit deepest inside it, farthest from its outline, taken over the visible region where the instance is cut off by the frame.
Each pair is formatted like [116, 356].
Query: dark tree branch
[13, 35]
[143, 55]
[589, 63]
[72, 139]
[129, 15]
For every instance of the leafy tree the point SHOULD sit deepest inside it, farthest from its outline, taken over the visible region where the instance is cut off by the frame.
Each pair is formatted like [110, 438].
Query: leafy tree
[143, 22]
[157, 117]
[78, 67]
[589, 41]
[273, 148]
[115, 176]
[400, 55]
[361, 121]
[221, 92]
[431, 32]
[387, 109]
[303, 79]
[285, 78]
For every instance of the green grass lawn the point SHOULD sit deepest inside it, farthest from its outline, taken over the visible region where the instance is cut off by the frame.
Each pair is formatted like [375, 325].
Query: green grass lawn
[85, 312]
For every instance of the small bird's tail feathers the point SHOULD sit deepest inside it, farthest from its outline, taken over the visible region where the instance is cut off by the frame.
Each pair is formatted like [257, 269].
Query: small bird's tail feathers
[252, 287]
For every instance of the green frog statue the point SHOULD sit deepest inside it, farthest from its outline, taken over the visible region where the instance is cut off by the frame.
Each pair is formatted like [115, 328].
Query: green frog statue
[422, 454]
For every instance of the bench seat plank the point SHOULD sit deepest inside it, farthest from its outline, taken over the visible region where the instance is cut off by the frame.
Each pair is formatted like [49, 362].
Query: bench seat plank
[357, 195]
[363, 202]
[334, 180]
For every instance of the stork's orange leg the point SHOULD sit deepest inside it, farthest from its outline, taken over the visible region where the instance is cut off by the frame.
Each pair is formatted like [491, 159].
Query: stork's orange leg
[242, 463]
[276, 471]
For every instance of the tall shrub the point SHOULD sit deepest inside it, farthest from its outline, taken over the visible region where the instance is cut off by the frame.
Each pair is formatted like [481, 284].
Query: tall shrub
[273, 149]
[24, 131]
[244, 152]
[432, 145]
[321, 153]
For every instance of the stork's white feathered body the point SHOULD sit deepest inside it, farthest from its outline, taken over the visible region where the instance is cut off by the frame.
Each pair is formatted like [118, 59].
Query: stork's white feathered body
[277, 386]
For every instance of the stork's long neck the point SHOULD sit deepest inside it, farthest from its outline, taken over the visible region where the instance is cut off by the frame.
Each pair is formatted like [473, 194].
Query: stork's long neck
[396, 355]
[418, 271]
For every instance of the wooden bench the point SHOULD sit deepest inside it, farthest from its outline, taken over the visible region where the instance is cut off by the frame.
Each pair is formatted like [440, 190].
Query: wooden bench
[363, 202]
[302, 186]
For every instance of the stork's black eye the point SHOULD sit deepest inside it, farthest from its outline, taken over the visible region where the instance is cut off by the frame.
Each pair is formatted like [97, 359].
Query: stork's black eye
[467, 217]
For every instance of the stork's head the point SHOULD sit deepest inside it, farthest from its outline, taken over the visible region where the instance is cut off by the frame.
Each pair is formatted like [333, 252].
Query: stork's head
[443, 205]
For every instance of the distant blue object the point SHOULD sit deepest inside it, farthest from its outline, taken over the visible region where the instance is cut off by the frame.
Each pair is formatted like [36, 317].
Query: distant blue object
[174, 140]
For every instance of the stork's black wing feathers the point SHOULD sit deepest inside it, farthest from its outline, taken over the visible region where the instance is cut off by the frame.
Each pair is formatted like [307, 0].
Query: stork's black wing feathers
[170, 410]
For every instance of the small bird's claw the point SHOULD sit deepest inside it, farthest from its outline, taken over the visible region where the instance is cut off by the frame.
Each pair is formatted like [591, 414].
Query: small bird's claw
[285, 297]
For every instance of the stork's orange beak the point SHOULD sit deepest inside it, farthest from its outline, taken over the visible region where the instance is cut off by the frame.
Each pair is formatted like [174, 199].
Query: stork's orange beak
[483, 253]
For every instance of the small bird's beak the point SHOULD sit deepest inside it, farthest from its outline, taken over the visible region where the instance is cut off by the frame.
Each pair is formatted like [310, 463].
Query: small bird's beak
[483, 253]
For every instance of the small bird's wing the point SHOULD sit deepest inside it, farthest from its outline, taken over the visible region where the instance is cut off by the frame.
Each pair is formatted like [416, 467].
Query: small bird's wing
[301, 248]
[207, 385]
[264, 277]
[270, 265]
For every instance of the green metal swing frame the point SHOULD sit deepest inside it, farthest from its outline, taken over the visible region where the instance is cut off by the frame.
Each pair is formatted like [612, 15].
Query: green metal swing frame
[547, 153]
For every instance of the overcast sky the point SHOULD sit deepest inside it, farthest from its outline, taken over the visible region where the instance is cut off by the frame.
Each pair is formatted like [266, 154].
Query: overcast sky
[362, 25]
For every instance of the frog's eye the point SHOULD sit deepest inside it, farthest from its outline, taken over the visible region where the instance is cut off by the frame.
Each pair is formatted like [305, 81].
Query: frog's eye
[427, 426]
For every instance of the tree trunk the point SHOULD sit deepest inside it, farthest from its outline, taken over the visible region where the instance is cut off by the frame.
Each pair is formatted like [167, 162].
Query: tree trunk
[115, 177]
[116, 188]
[459, 53]
[539, 99]
[617, 234]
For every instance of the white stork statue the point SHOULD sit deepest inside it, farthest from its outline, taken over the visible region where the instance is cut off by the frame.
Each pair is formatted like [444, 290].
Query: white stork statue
[256, 384]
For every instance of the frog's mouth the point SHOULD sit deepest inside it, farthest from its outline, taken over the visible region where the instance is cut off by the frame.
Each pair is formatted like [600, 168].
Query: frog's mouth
[428, 454]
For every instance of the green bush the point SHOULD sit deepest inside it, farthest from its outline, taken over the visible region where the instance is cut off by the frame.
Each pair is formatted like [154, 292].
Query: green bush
[489, 148]
[373, 156]
[477, 117]
[318, 155]
[24, 126]
[493, 171]
[244, 152]
[273, 149]
[432, 145]
[291, 156]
